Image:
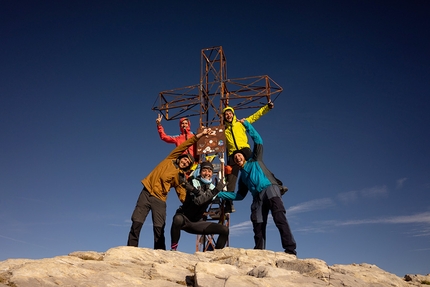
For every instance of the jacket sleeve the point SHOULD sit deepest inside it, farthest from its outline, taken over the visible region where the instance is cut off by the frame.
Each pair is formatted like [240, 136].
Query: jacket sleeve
[182, 147]
[163, 136]
[203, 197]
[239, 195]
[181, 192]
[258, 114]
[257, 152]
[229, 195]
[200, 195]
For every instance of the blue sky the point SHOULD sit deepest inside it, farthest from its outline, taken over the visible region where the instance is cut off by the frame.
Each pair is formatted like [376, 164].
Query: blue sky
[349, 135]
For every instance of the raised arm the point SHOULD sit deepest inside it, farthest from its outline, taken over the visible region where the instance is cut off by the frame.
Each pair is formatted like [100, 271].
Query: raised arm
[183, 146]
[161, 133]
[257, 152]
[262, 111]
[252, 132]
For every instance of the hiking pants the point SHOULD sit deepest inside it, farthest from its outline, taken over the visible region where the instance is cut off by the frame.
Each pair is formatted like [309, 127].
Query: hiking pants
[145, 203]
[270, 200]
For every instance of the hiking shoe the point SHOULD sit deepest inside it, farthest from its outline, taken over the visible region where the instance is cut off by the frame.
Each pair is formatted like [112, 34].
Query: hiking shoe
[283, 189]
[292, 252]
[229, 207]
[232, 208]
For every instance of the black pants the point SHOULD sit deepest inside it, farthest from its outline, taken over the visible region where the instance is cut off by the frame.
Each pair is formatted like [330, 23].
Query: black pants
[270, 200]
[181, 222]
[145, 203]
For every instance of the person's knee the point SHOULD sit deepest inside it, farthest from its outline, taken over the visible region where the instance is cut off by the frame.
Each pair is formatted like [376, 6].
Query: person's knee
[136, 226]
[178, 220]
[224, 230]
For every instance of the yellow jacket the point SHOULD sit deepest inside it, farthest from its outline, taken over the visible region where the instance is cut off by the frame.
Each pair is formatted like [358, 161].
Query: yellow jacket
[235, 132]
[166, 174]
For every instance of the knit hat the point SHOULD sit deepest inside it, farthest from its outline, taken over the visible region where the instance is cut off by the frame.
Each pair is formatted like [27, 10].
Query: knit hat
[238, 151]
[206, 164]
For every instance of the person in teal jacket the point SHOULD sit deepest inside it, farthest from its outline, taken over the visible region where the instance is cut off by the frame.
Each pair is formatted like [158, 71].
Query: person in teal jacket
[236, 139]
[257, 178]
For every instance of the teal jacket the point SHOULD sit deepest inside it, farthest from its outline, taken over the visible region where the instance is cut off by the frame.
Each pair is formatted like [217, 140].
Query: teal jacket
[254, 175]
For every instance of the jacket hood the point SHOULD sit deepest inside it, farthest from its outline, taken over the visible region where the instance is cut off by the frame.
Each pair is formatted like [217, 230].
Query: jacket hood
[234, 115]
[189, 125]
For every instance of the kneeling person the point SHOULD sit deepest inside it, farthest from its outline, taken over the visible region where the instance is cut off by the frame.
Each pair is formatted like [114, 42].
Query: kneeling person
[188, 217]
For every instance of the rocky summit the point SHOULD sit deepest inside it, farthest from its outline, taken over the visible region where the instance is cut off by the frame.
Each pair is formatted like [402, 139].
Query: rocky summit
[235, 267]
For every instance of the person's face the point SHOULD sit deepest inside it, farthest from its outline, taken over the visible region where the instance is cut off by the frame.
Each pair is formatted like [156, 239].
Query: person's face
[206, 173]
[228, 116]
[184, 124]
[239, 159]
[184, 162]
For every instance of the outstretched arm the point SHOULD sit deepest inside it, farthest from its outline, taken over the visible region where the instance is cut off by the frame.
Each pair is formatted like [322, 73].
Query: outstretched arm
[239, 195]
[252, 132]
[161, 133]
[230, 195]
[262, 111]
[183, 146]
[257, 152]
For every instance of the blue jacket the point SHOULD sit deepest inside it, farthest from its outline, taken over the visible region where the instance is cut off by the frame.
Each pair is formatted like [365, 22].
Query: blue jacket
[254, 175]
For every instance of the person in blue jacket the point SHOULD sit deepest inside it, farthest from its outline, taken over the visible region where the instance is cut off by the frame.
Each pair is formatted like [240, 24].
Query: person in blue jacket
[256, 178]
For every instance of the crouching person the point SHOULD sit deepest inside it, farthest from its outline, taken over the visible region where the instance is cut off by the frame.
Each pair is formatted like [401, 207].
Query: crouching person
[189, 216]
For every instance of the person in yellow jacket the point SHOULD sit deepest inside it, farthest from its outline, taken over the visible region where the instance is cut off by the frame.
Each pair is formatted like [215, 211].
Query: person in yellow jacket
[169, 173]
[236, 139]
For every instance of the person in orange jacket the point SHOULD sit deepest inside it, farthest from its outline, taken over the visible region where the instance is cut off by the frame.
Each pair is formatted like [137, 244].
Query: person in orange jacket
[169, 173]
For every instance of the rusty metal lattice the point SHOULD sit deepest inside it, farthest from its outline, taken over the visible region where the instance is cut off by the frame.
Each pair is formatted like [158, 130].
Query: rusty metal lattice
[215, 91]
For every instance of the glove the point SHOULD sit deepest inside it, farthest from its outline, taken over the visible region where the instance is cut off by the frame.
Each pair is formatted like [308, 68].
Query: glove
[228, 169]
[181, 178]
[219, 187]
[189, 187]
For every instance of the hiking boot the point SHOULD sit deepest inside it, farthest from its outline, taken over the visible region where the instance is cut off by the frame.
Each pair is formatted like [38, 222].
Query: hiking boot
[283, 189]
[292, 252]
[214, 213]
[229, 207]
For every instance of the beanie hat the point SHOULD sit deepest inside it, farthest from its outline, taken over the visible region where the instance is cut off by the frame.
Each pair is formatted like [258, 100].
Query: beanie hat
[206, 164]
[238, 151]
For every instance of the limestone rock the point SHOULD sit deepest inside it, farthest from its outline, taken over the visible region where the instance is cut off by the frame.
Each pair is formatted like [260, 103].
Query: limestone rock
[229, 267]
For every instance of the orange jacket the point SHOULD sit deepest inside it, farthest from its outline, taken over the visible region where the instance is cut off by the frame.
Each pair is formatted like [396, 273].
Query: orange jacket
[166, 174]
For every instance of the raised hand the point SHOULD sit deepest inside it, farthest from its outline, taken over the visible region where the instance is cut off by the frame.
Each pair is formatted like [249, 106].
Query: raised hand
[159, 118]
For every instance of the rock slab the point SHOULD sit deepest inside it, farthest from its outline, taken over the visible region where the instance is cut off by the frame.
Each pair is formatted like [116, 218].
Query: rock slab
[228, 267]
